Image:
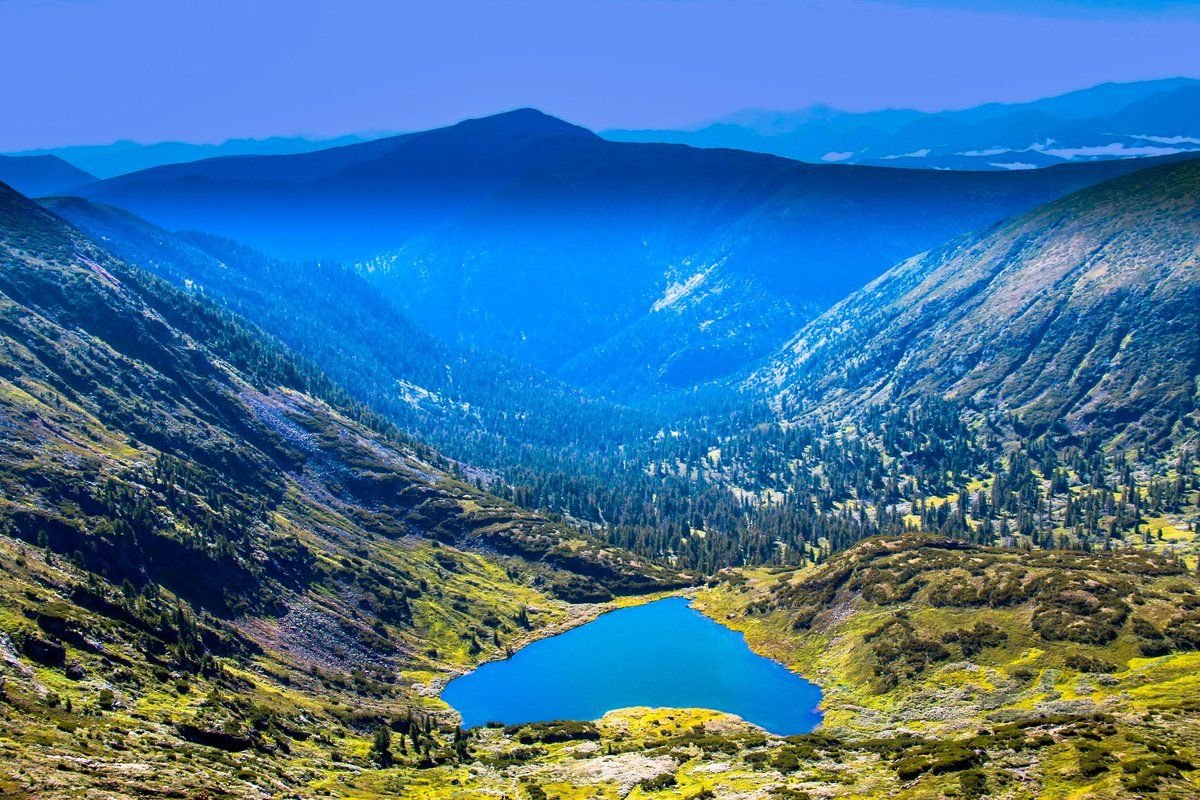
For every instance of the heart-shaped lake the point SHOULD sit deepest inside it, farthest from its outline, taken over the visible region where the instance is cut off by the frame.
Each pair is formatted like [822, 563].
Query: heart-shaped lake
[662, 654]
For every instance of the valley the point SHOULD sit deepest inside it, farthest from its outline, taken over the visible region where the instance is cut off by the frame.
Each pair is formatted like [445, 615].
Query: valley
[672, 266]
[503, 460]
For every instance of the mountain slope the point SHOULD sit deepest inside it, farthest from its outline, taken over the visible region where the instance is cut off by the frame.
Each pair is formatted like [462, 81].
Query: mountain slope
[623, 268]
[186, 504]
[41, 175]
[139, 359]
[1083, 313]
[481, 409]
[982, 672]
[328, 314]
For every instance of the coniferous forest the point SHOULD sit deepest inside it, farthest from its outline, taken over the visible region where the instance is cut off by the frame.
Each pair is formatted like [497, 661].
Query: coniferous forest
[675, 444]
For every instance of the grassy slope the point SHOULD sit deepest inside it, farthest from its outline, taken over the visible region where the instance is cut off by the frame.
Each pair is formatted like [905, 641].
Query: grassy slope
[216, 574]
[887, 609]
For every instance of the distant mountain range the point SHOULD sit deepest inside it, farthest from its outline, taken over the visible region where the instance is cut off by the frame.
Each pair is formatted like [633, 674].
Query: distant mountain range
[1113, 120]
[41, 175]
[118, 158]
[622, 268]
[1083, 315]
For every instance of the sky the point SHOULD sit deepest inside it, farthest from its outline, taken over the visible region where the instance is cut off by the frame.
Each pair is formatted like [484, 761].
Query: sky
[96, 71]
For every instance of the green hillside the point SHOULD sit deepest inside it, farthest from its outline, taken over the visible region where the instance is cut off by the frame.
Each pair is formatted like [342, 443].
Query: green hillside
[981, 672]
[209, 550]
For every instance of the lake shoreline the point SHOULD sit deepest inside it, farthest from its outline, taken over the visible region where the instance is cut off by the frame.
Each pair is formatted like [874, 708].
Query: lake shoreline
[578, 615]
[685, 659]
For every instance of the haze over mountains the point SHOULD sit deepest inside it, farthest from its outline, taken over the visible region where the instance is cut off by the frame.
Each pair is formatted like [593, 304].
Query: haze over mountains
[550, 443]
[670, 266]
[1109, 121]
[123, 376]
[480, 405]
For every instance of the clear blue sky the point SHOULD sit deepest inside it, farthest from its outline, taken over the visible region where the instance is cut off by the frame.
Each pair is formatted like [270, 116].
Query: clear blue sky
[93, 71]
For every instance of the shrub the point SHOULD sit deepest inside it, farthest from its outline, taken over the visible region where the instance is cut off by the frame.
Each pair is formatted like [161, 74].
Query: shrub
[1074, 608]
[786, 760]
[1146, 773]
[1151, 641]
[534, 792]
[1086, 663]
[900, 654]
[1184, 631]
[972, 784]
[974, 640]
[787, 793]
[659, 782]
[950, 759]
[1092, 759]
[554, 732]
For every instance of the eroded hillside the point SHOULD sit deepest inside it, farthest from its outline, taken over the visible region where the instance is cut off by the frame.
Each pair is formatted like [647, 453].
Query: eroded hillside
[1081, 314]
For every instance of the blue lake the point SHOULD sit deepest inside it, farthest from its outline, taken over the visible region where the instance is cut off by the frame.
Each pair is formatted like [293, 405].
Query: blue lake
[661, 654]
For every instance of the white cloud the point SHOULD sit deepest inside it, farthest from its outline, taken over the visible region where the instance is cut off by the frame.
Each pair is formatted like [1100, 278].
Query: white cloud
[1167, 139]
[1113, 149]
[995, 151]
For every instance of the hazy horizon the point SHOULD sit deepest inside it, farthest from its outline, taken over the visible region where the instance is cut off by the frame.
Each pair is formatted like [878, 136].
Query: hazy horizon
[695, 124]
[226, 70]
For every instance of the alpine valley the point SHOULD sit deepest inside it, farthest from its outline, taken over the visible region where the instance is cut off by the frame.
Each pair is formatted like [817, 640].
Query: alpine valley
[293, 436]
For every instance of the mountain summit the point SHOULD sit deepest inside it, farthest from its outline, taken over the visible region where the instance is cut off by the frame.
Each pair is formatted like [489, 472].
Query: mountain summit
[521, 120]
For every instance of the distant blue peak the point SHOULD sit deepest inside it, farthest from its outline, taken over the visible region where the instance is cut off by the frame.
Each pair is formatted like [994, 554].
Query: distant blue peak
[524, 120]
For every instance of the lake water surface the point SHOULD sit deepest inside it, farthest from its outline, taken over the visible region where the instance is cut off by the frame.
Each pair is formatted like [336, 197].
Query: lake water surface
[661, 654]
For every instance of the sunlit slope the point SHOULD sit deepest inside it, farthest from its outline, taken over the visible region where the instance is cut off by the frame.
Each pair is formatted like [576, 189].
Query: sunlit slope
[1082, 313]
[1033, 674]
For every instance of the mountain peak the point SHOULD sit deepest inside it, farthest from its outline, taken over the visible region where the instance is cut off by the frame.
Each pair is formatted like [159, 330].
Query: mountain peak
[524, 120]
